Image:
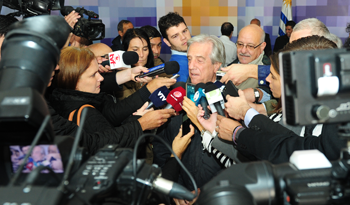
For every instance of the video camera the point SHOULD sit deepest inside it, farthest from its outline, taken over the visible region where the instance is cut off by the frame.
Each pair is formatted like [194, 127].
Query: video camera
[33, 7]
[315, 89]
[92, 29]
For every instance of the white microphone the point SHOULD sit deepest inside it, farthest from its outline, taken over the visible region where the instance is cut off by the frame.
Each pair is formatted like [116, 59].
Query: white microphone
[121, 59]
[215, 99]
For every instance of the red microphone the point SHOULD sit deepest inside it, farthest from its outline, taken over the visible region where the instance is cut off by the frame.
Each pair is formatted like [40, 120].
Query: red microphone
[175, 98]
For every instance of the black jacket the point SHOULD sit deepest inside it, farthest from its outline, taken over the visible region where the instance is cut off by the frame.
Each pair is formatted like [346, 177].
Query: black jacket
[116, 44]
[280, 42]
[200, 163]
[100, 125]
[267, 140]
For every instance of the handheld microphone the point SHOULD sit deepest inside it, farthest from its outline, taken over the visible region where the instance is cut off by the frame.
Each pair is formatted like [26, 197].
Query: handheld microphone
[199, 98]
[169, 68]
[175, 98]
[119, 59]
[158, 97]
[172, 189]
[215, 99]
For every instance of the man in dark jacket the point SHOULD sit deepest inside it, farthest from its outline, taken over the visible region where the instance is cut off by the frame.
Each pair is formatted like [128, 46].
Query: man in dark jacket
[202, 68]
[281, 41]
[123, 26]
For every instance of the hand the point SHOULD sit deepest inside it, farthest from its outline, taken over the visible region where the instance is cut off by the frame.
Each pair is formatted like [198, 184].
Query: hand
[190, 108]
[237, 107]
[238, 73]
[143, 110]
[225, 127]
[102, 69]
[137, 71]
[208, 124]
[159, 82]
[156, 118]
[180, 142]
[72, 18]
[185, 202]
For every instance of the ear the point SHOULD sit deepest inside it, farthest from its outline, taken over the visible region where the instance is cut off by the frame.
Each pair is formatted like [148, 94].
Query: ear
[217, 66]
[166, 42]
[262, 47]
[120, 33]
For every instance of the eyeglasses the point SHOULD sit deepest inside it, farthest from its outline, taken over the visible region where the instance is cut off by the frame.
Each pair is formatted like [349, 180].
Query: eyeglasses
[249, 47]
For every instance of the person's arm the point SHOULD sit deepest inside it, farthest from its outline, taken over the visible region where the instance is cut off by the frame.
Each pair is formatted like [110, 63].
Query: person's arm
[267, 140]
[263, 72]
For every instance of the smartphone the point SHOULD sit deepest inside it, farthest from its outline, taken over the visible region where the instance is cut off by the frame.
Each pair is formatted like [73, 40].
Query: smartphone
[230, 89]
[175, 76]
[190, 91]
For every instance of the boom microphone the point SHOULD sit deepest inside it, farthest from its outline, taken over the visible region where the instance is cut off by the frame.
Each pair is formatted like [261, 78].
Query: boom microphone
[169, 68]
[200, 98]
[175, 98]
[158, 97]
[215, 99]
[120, 59]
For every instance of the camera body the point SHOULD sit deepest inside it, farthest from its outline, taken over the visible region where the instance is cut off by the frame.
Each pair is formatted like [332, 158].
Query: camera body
[91, 29]
[34, 7]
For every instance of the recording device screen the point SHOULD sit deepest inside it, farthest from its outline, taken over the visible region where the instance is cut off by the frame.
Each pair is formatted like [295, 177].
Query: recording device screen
[46, 155]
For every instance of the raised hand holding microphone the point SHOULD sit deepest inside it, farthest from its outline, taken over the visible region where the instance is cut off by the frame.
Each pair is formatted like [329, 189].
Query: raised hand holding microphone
[237, 107]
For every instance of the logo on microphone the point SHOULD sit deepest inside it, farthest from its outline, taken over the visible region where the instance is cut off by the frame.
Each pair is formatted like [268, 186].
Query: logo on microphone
[177, 94]
[114, 59]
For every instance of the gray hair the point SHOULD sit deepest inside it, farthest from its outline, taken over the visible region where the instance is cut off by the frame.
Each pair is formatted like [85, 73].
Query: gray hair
[218, 50]
[335, 39]
[315, 26]
[262, 39]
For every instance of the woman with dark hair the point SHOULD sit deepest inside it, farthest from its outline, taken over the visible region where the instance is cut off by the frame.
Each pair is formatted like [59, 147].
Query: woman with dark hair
[78, 84]
[137, 40]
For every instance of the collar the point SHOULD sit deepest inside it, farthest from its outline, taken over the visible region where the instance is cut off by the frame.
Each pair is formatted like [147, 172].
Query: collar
[174, 52]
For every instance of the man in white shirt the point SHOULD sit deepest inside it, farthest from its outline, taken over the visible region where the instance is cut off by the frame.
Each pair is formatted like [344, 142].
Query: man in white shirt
[230, 47]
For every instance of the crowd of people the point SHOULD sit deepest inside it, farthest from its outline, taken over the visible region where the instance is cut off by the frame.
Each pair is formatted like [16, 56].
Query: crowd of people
[116, 100]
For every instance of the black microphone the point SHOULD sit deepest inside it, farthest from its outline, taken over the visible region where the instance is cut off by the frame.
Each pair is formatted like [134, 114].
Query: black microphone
[158, 97]
[119, 59]
[200, 98]
[169, 68]
[215, 99]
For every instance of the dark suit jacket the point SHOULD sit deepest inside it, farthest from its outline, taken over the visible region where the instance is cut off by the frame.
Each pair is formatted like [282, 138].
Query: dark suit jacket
[267, 140]
[267, 50]
[280, 42]
[116, 44]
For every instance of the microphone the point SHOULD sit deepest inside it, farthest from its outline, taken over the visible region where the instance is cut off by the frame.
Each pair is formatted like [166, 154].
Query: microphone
[172, 189]
[119, 59]
[199, 98]
[215, 99]
[175, 98]
[169, 68]
[158, 97]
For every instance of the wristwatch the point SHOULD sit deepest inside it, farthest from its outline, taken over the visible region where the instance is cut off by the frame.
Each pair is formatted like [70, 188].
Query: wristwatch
[257, 95]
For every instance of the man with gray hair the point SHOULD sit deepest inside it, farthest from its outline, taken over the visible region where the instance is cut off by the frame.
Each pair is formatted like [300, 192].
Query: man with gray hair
[205, 56]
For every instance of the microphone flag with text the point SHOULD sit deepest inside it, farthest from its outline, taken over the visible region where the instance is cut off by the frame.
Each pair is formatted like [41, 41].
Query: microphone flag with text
[121, 59]
[215, 99]
[175, 98]
[158, 97]
[200, 98]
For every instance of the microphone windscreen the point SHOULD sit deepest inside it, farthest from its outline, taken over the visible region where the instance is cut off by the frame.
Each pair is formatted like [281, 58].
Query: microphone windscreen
[176, 97]
[130, 57]
[158, 97]
[210, 87]
[178, 84]
[66, 10]
[171, 67]
[199, 85]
